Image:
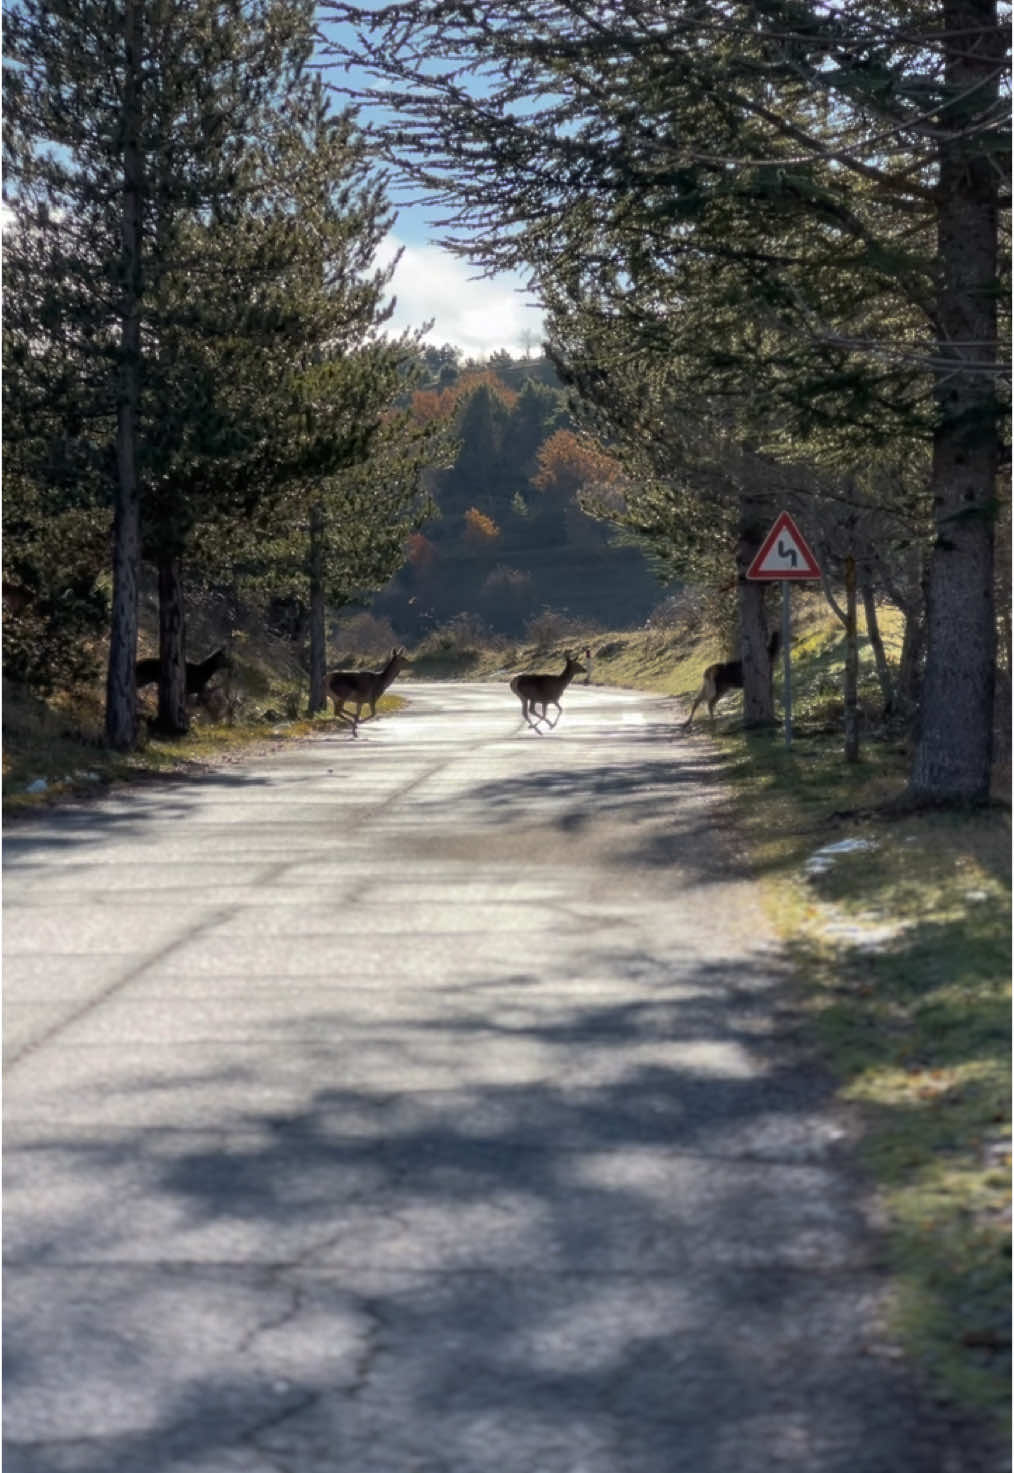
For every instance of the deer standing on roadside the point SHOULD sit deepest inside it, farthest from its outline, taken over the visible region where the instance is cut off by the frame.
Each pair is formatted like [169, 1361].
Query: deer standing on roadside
[544, 691]
[147, 671]
[363, 687]
[723, 677]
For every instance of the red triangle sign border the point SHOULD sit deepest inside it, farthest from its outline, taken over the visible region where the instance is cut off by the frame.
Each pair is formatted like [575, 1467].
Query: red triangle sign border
[808, 569]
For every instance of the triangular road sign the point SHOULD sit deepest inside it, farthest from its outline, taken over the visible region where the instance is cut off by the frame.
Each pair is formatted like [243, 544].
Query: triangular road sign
[784, 554]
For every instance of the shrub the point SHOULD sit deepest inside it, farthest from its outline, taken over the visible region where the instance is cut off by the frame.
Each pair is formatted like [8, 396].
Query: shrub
[464, 634]
[552, 627]
[362, 635]
[513, 580]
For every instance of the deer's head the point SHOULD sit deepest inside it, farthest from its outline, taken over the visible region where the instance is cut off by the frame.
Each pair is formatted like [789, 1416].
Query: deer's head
[399, 661]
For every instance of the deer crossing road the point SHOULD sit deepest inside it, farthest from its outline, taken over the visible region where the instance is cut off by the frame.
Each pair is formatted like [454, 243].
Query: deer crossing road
[425, 1104]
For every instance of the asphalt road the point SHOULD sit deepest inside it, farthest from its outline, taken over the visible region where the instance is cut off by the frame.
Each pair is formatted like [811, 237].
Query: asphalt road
[427, 1103]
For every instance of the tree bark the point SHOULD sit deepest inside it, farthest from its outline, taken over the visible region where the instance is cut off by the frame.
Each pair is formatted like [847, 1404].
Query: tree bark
[318, 642]
[172, 678]
[910, 664]
[121, 686]
[758, 699]
[954, 749]
[825, 583]
[851, 664]
[876, 641]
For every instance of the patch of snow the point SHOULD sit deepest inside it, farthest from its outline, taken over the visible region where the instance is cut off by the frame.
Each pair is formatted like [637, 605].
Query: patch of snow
[39, 785]
[821, 861]
[863, 938]
[865, 930]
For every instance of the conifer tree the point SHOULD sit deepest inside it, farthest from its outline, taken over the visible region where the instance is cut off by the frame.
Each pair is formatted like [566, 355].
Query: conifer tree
[123, 124]
[822, 182]
[276, 380]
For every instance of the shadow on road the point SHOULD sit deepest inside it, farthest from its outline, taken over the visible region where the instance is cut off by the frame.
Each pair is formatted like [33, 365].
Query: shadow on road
[31, 839]
[585, 1212]
[618, 1265]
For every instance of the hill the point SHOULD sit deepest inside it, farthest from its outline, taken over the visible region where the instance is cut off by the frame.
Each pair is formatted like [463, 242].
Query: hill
[501, 547]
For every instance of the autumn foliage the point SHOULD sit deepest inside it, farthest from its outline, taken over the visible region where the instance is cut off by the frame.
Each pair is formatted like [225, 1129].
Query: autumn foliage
[431, 404]
[478, 526]
[420, 550]
[569, 464]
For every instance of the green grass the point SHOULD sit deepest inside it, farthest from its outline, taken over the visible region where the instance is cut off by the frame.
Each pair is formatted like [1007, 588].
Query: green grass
[63, 745]
[902, 961]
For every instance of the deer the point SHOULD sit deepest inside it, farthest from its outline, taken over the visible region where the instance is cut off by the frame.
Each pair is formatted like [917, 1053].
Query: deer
[363, 687]
[544, 691]
[721, 678]
[146, 672]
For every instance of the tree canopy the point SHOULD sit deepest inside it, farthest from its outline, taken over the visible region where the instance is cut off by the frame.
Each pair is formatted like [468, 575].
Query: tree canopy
[789, 210]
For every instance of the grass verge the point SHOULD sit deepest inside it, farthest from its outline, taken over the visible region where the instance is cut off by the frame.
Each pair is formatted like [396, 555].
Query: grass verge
[50, 756]
[900, 939]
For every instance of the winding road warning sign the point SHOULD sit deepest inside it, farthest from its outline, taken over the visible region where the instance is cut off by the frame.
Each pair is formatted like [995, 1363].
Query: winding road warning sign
[784, 554]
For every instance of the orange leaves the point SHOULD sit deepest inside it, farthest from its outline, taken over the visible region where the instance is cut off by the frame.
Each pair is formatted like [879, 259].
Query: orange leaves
[570, 463]
[431, 404]
[479, 527]
[420, 550]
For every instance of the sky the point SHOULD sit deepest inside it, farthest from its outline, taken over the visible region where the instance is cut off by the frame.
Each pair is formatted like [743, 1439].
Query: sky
[479, 317]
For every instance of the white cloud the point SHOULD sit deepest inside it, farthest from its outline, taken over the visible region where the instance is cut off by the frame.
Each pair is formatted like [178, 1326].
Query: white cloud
[479, 317]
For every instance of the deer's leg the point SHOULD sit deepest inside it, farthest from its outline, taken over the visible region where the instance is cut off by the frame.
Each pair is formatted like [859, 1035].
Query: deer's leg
[697, 701]
[559, 713]
[526, 708]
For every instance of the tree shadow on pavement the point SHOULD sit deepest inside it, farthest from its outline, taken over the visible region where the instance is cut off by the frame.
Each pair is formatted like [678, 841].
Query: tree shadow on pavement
[609, 1236]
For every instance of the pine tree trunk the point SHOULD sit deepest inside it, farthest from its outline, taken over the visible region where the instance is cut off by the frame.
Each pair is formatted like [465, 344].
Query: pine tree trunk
[121, 687]
[758, 700]
[954, 749]
[910, 664]
[172, 680]
[318, 643]
[851, 664]
[877, 642]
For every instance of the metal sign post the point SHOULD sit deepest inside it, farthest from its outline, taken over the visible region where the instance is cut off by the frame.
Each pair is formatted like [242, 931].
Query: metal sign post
[785, 558]
[786, 660]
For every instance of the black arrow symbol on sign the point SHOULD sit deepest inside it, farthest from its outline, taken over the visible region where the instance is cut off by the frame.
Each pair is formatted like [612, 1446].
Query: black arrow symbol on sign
[789, 551]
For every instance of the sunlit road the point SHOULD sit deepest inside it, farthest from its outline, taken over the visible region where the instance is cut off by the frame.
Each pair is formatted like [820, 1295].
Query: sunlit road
[421, 1104]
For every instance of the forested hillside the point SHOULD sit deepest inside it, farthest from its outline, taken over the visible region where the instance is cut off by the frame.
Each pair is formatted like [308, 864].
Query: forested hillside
[509, 537]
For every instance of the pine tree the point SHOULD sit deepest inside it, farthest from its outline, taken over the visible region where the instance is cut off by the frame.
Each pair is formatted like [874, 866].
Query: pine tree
[821, 182]
[275, 385]
[122, 126]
